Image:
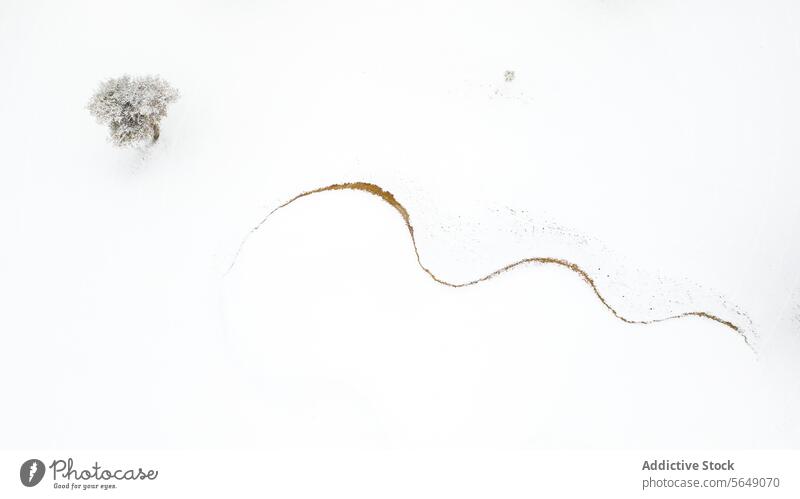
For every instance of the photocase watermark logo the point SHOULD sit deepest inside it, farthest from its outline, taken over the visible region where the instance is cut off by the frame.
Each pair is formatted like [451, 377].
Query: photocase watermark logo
[68, 475]
[31, 472]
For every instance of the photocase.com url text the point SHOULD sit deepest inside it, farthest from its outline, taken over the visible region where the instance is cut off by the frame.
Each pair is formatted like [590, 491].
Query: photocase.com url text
[719, 483]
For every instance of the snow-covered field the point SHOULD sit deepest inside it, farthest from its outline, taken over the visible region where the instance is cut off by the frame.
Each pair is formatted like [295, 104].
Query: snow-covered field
[655, 144]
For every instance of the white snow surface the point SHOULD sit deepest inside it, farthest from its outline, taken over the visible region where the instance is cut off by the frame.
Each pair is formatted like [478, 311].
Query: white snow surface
[652, 143]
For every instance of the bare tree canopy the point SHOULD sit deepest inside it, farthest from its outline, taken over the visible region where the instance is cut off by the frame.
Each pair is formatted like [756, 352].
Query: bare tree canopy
[132, 107]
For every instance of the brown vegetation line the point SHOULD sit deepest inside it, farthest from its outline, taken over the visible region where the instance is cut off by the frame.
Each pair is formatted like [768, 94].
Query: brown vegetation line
[389, 199]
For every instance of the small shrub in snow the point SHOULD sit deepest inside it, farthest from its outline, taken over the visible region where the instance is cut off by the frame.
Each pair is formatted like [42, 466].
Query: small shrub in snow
[132, 108]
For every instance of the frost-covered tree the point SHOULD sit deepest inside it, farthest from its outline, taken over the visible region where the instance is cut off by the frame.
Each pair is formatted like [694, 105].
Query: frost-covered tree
[132, 107]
